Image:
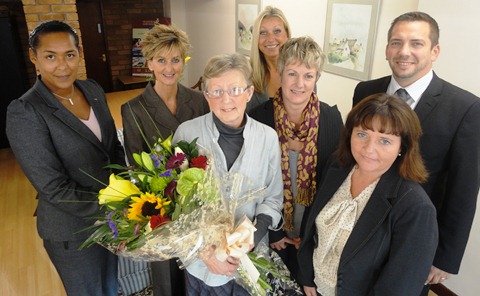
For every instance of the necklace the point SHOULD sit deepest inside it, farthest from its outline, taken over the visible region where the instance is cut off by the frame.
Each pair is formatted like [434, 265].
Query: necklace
[66, 99]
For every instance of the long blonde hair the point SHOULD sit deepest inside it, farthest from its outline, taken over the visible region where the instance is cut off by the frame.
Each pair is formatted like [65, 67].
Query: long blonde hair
[257, 59]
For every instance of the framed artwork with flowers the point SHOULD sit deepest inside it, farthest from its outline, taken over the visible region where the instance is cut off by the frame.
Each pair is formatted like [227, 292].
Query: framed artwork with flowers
[245, 13]
[349, 37]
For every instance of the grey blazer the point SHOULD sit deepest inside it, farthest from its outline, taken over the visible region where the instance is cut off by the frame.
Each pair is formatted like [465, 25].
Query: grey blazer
[450, 119]
[154, 117]
[392, 245]
[62, 157]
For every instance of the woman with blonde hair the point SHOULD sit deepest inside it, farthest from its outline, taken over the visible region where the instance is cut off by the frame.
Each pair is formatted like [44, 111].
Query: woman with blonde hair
[308, 131]
[158, 111]
[270, 31]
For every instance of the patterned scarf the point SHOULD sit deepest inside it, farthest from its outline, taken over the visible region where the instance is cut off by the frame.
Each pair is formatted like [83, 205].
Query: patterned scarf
[307, 159]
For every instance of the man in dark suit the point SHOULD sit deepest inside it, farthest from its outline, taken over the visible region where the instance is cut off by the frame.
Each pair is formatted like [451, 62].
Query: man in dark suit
[450, 119]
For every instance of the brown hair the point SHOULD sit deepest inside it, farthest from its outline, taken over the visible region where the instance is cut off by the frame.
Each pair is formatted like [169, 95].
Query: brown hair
[395, 117]
[417, 16]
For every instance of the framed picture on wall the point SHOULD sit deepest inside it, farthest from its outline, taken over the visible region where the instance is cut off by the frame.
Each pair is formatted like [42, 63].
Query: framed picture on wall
[245, 13]
[350, 37]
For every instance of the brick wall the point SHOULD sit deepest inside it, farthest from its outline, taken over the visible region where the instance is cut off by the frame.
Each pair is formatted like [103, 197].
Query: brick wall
[37, 11]
[118, 18]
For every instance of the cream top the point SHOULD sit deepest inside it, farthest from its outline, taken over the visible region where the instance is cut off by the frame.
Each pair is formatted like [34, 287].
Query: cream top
[334, 225]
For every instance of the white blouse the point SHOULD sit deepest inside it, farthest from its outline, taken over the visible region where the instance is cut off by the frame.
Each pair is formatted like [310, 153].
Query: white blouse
[334, 225]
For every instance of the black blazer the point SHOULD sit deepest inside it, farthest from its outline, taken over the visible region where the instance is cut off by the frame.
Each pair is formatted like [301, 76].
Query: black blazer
[330, 130]
[392, 245]
[153, 116]
[53, 147]
[450, 119]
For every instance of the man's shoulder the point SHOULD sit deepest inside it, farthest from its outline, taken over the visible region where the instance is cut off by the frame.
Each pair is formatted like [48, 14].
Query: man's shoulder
[378, 81]
[454, 92]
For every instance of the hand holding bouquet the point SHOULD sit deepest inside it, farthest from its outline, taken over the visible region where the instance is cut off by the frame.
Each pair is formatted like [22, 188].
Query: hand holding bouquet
[170, 205]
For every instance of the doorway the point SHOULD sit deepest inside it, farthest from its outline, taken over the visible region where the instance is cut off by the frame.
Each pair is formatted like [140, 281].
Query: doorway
[90, 17]
[13, 76]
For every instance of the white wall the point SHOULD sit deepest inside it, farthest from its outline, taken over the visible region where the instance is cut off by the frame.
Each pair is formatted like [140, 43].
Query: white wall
[210, 25]
[458, 64]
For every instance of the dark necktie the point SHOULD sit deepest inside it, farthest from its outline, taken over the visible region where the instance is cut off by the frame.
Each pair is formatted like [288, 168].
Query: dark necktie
[403, 94]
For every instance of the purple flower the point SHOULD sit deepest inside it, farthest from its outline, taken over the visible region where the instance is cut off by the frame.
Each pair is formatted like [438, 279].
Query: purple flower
[112, 225]
[167, 173]
[156, 159]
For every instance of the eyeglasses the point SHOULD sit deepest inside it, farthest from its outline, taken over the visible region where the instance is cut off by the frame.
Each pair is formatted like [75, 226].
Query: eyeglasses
[233, 92]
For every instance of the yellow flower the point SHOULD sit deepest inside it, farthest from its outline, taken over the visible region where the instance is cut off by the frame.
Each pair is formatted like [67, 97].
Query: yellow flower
[167, 144]
[117, 190]
[187, 59]
[147, 205]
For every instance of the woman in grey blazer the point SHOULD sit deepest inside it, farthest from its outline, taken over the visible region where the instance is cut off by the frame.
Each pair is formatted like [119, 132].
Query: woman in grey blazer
[372, 228]
[63, 135]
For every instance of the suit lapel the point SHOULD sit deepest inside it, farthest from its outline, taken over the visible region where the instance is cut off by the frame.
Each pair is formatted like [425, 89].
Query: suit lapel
[374, 214]
[159, 110]
[184, 106]
[70, 120]
[429, 98]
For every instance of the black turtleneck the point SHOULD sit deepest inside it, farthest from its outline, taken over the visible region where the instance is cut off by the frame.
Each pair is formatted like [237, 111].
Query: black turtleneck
[230, 140]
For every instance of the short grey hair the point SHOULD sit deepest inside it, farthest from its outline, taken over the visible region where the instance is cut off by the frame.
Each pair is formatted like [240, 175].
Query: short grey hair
[220, 64]
[304, 50]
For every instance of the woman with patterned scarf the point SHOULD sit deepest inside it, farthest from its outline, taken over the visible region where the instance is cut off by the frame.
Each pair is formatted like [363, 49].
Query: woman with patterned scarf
[308, 131]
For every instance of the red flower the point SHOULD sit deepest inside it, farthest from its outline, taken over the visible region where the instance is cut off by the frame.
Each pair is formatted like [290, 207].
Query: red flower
[199, 162]
[158, 220]
[175, 161]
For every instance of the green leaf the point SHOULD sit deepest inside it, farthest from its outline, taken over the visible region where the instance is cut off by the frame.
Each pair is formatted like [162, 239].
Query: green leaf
[138, 159]
[188, 179]
[147, 162]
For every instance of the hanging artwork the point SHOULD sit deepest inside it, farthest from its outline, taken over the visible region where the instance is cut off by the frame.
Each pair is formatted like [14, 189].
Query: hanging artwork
[350, 37]
[245, 13]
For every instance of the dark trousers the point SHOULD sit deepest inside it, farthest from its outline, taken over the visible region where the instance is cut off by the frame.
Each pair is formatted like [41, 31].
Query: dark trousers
[91, 271]
[289, 257]
[425, 290]
[196, 287]
[168, 278]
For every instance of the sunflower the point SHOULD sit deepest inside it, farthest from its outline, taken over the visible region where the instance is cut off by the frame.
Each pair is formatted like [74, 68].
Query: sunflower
[147, 205]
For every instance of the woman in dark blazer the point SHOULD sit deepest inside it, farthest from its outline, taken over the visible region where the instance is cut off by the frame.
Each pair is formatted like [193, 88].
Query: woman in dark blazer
[63, 135]
[165, 103]
[296, 108]
[157, 112]
[372, 228]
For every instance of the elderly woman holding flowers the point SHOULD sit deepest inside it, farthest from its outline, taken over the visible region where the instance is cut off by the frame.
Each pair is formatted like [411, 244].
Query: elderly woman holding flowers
[240, 145]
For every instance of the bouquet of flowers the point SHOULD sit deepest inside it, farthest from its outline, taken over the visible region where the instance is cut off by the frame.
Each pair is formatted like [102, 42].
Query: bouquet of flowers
[171, 205]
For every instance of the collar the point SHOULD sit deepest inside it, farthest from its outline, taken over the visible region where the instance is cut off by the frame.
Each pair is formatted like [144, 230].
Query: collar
[415, 90]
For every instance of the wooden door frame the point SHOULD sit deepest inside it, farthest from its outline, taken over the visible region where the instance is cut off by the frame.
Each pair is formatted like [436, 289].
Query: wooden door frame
[105, 41]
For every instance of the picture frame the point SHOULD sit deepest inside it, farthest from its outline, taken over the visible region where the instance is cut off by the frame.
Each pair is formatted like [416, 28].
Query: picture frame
[246, 12]
[350, 34]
